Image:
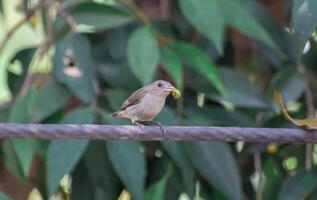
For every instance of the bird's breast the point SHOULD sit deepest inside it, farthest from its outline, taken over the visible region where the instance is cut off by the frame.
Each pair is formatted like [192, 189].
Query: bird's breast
[148, 108]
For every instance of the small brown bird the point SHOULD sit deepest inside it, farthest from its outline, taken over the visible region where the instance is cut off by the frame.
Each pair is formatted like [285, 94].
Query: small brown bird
[145, 103]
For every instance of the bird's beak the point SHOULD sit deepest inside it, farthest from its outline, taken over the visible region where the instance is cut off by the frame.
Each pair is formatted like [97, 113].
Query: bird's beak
[169, 89]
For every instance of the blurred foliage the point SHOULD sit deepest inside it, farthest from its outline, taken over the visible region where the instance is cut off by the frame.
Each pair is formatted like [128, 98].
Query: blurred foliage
[76, 61]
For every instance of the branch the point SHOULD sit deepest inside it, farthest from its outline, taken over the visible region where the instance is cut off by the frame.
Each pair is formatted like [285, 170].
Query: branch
[111, 132]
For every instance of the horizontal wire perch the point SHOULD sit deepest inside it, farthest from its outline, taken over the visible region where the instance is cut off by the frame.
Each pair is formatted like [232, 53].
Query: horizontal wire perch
[118, 132]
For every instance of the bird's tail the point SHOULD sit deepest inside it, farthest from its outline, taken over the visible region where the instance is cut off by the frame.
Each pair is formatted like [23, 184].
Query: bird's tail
[116, 114]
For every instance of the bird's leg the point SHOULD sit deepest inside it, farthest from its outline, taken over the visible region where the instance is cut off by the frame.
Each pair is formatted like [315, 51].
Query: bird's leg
[156, 124]
[138, 124]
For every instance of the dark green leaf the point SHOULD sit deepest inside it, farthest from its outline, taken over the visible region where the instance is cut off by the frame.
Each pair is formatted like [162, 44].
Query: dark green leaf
[199, 61]
[216, 116]
[173, 66]
[116, 98]
[245, 94]
[143, 54]
[304, 17]
[215, 162]
[273, 174]
[289, 82]
[4, 196]
[235, 15]
[79, 78]
[157, 190]
[19, 111]
[298, 186]
[206, 17]
[129, 164]
[15, 81]
[63, 155]
[50, 98]
[118, 76]
[99, 15]
[100, 170]
[24, 149]
[11, 160]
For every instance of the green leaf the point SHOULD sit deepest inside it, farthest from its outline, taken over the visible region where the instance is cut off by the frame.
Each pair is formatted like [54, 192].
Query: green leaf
[19, 111]
[15, 81]
[215, 162]
[172, 65]
[235, 15]
[199, 61]
[118, 76]
[100, 169]
[11, 160]
[289, 82]
[143, 54]
[3, 196]
[304, 19]
[206, 17]
[215, 116]
[156, 191]
[245, 94]
[24, 149]
[50, 98]
[78, 78]
[129, 164]
[298, 186]
[116, 97]
[63, 155]
[101, 16]
[273, 174]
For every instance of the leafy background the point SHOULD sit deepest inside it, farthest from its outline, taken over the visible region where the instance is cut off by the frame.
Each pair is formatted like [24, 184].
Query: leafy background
[75, 61]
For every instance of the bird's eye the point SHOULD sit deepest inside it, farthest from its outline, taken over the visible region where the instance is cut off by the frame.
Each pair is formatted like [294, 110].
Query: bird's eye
[159, 84]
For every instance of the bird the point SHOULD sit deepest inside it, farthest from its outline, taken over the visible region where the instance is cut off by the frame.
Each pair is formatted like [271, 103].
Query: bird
[146, 103]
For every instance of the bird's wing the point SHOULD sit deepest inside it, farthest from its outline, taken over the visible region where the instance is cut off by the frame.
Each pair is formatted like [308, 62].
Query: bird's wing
[134, 99]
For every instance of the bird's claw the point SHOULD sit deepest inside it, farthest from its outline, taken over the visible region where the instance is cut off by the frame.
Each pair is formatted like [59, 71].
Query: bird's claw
[161, 127]
[141, 126]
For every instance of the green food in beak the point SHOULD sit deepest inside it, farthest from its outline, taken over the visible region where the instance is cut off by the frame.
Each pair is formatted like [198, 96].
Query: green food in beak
[176, 93]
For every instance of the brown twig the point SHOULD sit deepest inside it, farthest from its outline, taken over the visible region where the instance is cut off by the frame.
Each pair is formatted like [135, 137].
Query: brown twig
[68, 18]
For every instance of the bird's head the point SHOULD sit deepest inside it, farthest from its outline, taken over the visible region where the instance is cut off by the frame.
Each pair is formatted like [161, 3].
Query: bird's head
[161, 88]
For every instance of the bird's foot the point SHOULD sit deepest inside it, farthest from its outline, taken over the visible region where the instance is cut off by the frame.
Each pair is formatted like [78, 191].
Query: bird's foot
[157, 124]
[161, 127]
[141, 126]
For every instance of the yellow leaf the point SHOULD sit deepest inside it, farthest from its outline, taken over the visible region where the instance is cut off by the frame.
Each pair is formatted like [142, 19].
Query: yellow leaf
[310, 123]
[125, 195]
